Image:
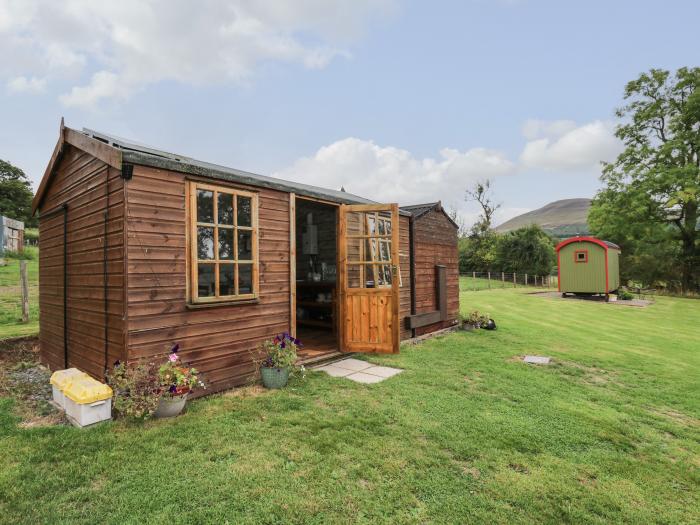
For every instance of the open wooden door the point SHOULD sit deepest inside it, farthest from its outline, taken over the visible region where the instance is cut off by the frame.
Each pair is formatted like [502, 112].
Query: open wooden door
[368, 277]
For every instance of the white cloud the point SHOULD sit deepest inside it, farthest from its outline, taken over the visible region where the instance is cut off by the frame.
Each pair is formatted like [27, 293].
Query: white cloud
[124, 46]
[389, 174]
[26, 85]
[561, 146]
[536, 129]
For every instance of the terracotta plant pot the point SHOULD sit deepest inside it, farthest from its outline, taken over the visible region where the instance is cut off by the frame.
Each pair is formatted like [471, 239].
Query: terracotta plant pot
[171, 406]
[274, 377]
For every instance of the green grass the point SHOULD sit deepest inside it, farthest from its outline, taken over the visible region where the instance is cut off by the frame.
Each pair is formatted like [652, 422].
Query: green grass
[466, 434]
[10, 299]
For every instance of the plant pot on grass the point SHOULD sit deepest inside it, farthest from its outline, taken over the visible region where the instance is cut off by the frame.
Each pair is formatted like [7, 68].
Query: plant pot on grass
[177, 382]
[145, 389]
[279, 358]
[171, 406]
[274, 377]
[474, 320]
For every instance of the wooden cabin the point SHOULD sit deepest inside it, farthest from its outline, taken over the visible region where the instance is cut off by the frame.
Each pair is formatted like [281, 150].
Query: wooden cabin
[141, 249]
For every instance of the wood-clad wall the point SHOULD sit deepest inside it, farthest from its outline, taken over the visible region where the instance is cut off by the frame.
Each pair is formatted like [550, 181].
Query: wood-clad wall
[217, 340]
[89, 187]
[405, 269]
[435, 243]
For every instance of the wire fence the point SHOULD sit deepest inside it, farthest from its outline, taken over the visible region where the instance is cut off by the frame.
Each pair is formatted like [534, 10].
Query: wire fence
[477, 281]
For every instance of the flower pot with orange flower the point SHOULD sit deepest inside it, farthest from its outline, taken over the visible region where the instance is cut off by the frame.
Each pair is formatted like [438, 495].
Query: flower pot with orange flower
[177, 382]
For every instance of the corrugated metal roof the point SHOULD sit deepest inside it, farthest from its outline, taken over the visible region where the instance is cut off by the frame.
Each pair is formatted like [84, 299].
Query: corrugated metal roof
[137, 153]
[418, 210]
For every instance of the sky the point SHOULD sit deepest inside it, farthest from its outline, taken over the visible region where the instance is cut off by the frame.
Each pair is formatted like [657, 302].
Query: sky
[397, 101]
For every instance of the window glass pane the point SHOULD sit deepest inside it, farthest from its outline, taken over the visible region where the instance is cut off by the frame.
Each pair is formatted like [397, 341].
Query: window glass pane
[225, 208]
[354, 223]
[205, 242]
[205, 206]
[382, 230]
[244, 211]
[227, 279]
[245, 278]
[354, 277]
[385, 250]
[385, 274]
[371, 225]
[245, 245]
[225, 243]
[205, 280]
[387, 221]
[371, 253]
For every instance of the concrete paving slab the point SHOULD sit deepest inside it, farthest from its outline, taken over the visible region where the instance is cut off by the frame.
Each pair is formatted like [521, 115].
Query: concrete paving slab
[536, 360]
[361, 377]
[352, 364]
[334, 371]
[382, 371]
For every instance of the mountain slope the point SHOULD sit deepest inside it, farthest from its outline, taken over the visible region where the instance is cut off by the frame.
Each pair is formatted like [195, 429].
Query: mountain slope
[562, 218]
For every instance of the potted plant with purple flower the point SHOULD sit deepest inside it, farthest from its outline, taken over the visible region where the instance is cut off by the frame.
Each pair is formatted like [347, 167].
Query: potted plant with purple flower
[278, 361]
[176, 381]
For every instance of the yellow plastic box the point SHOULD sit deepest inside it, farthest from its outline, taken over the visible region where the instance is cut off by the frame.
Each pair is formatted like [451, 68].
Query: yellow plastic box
[88, 401]
[60, 380]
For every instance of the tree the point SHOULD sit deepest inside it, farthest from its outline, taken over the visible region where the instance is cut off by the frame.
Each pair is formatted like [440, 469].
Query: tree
[15, 194]
[650, 201]
[478, 250]
[481, 194]
[526, 250]
[454, 214]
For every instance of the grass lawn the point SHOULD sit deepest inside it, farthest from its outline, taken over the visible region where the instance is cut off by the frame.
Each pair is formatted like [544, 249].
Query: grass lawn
[466, 434]
[10, 298]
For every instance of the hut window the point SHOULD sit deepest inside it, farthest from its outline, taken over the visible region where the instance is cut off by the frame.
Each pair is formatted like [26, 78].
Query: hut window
[223, 244]
[581, 256]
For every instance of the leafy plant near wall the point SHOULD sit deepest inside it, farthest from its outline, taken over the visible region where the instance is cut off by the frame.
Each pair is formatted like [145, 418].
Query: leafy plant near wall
[136, 388]
[139, 387]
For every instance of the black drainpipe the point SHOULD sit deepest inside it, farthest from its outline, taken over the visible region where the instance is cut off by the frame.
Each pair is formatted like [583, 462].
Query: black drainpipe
[412, 264]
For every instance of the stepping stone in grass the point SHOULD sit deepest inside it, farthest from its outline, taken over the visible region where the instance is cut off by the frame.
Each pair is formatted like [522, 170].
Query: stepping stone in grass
[536, 359]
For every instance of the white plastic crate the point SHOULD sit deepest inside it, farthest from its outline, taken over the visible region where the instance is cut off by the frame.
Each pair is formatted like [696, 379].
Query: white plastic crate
[83, 415]
[88, 402]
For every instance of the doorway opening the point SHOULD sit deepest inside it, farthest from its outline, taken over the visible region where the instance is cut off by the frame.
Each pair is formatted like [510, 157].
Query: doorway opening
[316, 279]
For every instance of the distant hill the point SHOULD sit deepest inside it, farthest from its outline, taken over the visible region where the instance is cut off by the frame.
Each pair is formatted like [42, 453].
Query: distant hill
[561, 219]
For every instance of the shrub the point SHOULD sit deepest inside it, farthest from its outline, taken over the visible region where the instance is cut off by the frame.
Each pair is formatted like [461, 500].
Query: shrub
[136, 388]
[475, 318]
[624, 295]
[29, 253]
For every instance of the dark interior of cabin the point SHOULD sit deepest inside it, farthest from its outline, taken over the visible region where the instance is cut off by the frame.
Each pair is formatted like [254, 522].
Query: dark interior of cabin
[316, 283]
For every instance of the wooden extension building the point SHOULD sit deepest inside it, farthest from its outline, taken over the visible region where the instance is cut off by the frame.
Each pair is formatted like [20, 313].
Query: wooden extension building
[141, 249]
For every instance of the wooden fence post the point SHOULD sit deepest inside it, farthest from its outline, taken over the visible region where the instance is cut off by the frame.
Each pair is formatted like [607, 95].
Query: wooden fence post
[474, 280]
[526, 280]
[489, 280]
[24, 284]
[503, 279]
[515, 281]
